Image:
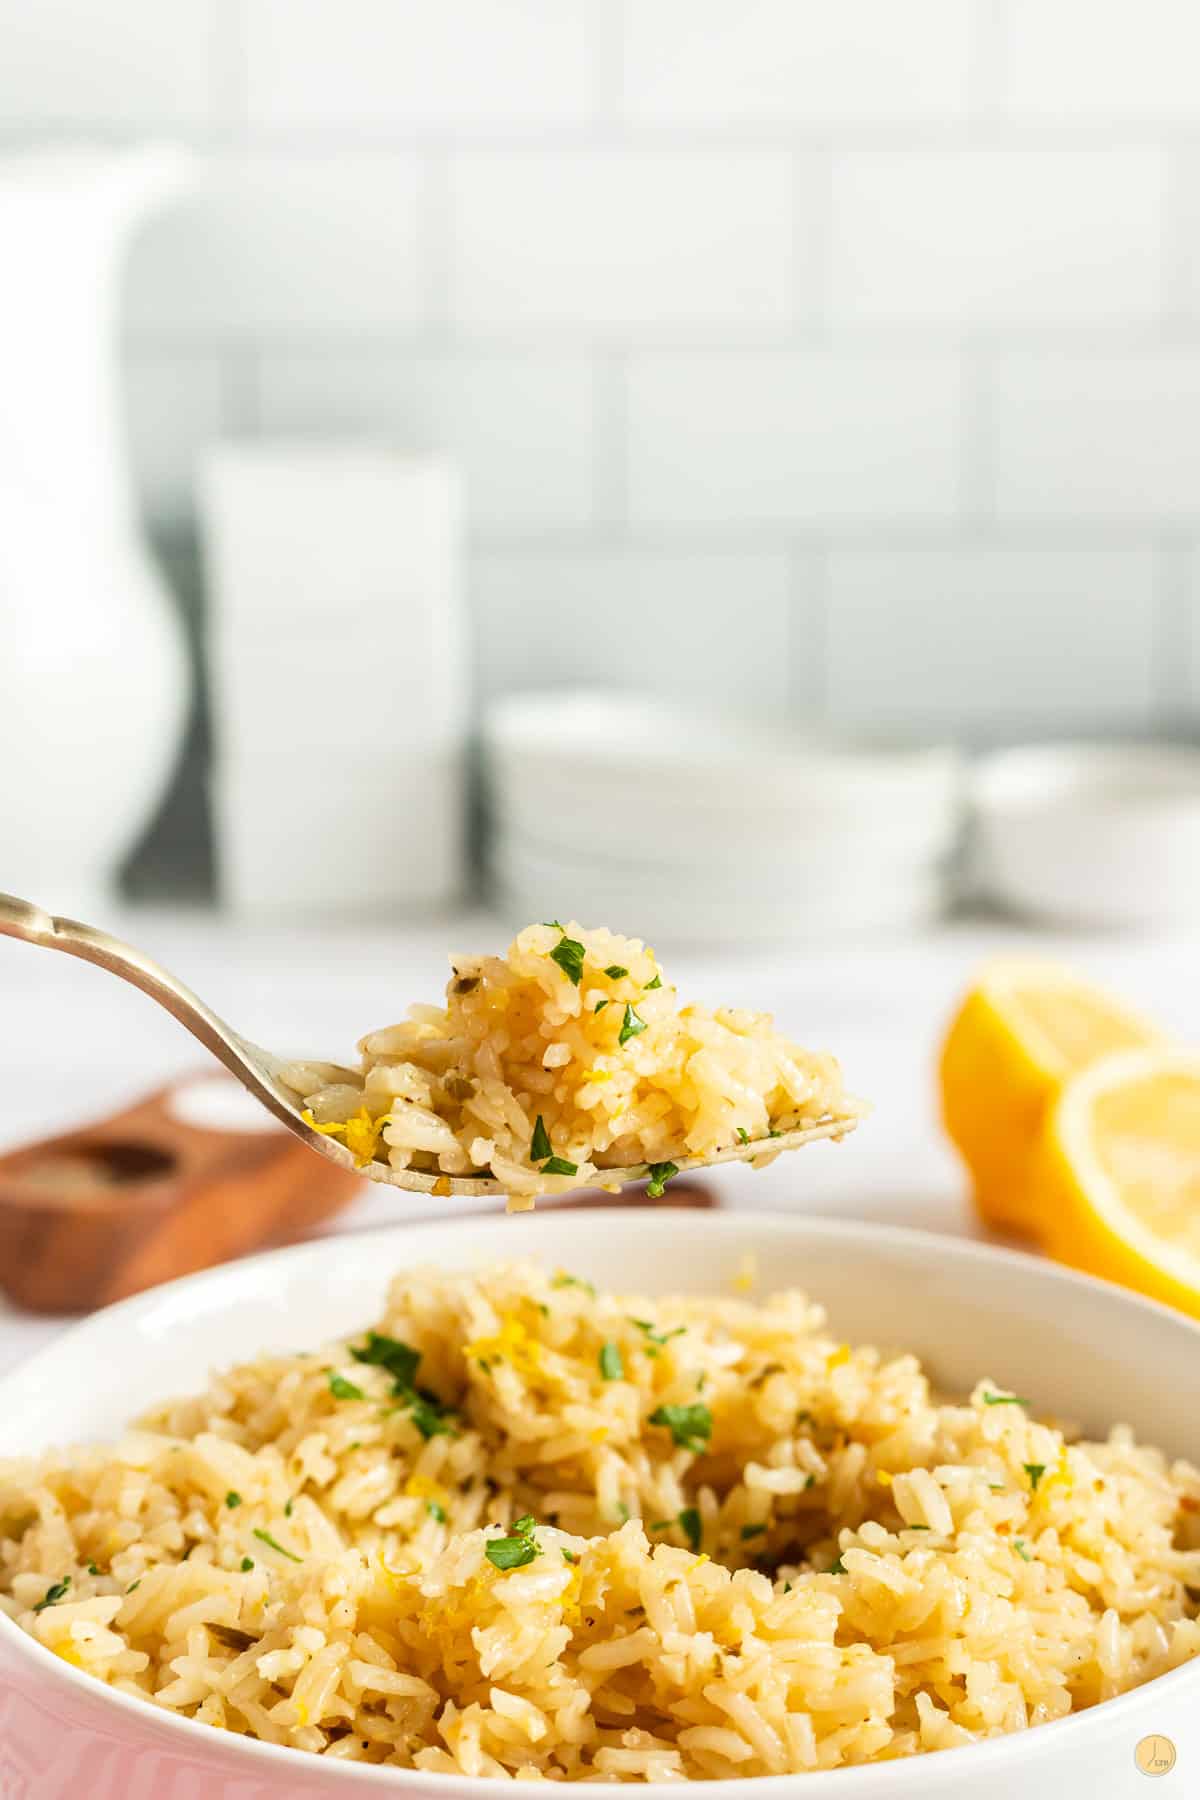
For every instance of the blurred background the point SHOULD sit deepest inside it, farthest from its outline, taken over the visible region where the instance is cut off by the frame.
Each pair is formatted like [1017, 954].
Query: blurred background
[835, 365]
[725, 469]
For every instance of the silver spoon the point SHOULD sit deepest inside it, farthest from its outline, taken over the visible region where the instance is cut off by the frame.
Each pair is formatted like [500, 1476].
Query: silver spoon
[260, 1072]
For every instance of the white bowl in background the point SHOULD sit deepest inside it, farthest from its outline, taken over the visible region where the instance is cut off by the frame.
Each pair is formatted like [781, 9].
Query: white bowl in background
[1081, 1348]
[1090, 834]
[592, 771]
[736, 899]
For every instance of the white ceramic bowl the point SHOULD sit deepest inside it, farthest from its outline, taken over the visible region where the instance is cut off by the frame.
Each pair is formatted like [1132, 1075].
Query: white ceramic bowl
[596, 772]
[734, 901]
[1091, 834]
[1081, 1348]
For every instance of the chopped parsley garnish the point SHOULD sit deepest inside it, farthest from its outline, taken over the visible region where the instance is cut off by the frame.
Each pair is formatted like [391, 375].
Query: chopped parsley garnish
[515, 1550]
[660, 1174]
[837, 1566]
[656, 983]
[570, 1556]
[1035, 1471]
[1022, 1552]
[287, 1511]
[1005, 1400]
[540, 1145]
[429, 1415]
[568, 953]
[914, 1528]
[436, 1510]
[631, 1025]
[92, 1569]
[657, 1337]
[750, 1531]
[743, 1135]
[341, 1389]
[773, 1133]
[614, 971]
[232, 1499]
[690, 1426]
[611, 1366]
[562, 1279]
[600, 1006]
[134, 1586]
[264, 1537]
[53, 1594]
[688, 1522]
[401, 1361]
[382, 1352]
[554, 924]
[247, 1564]
[622, 1512]
[558, 1165]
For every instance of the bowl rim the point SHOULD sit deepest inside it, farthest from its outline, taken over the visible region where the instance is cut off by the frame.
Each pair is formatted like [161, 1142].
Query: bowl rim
[865, 1779]
[1085, 775]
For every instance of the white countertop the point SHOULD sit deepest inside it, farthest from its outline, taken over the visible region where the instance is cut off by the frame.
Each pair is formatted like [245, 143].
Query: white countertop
[75, 1044]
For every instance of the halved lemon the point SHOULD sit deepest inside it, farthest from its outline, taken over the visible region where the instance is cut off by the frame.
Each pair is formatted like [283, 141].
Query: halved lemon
[1021, 1032]
[1116, 1174]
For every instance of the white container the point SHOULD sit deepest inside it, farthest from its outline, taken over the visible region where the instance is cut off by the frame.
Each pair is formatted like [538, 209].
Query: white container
[1087, 1351]
[1090, 835]
[354, 834]
[93, 675]
[338, 668]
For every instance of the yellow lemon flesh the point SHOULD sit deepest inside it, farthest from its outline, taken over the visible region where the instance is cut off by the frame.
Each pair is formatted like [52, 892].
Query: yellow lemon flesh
[1019, 1035]
[1116, 1178]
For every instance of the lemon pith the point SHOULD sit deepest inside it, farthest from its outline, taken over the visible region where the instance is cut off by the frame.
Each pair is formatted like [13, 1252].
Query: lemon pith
[1116, 1173]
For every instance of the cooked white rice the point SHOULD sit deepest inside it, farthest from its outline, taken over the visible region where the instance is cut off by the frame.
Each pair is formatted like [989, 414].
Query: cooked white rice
[568, 1056]
[743, 1548]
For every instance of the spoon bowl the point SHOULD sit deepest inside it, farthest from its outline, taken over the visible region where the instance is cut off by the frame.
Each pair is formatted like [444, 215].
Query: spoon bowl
[260, 1071]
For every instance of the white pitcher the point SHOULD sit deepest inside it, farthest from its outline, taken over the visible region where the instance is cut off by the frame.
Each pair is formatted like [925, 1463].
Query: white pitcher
[93, 675]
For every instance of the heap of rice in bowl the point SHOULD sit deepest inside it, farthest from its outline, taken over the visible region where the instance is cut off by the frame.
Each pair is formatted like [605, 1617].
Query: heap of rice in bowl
[523, 1529]
[567, 1056]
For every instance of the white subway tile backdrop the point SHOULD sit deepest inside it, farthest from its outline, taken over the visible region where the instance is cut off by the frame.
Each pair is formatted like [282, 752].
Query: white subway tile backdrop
[837, 359]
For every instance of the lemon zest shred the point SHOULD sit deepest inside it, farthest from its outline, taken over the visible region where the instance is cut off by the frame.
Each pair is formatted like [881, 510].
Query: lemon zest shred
[1061, 1472]
[395, 1578]
[572, 1610]
[838, 1357]
[329, 1129]
[511, 1344]
[423, 1487]
[883, 1477]
[361, 1134]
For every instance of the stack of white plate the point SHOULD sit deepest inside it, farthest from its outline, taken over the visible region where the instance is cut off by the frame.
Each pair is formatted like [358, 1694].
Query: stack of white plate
[625, 810]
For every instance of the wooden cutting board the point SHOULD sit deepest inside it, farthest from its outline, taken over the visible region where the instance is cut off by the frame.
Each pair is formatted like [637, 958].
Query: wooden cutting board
[113, 1207]
[122, 1204]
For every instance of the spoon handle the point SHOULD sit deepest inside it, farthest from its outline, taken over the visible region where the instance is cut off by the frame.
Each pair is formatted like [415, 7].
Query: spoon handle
[21, 919]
